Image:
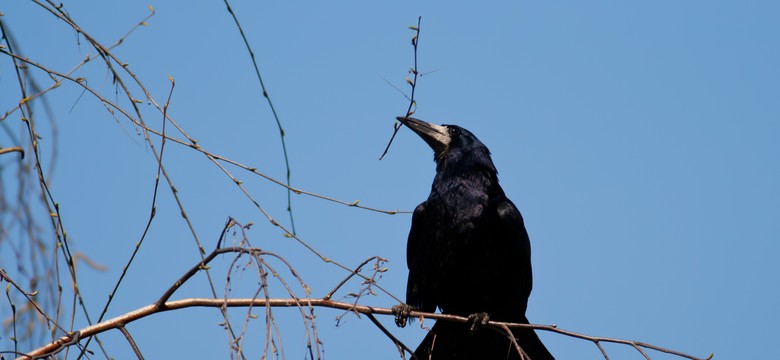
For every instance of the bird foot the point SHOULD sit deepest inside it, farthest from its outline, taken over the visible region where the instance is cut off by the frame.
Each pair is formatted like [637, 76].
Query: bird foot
[478, 320]
[402, 313]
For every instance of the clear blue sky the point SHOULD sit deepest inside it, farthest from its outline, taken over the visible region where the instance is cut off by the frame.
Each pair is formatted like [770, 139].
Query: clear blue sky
[641, 142]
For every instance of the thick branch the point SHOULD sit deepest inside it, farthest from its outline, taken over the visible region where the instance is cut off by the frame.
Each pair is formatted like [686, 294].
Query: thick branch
[145, 311]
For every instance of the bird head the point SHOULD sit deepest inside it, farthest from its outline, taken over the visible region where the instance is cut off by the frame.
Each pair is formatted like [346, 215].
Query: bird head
[443, 139]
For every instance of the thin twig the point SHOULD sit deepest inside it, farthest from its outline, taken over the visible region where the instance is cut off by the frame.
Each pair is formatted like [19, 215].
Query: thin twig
[152, 213]
[130, 340]
[12, 149]
[601, 348]
[13, 314]
[413, 83]
[343, 281]
[193, 143]
[400, 345]
[29, 296]
[513, 340]
[363, 289]
[109, 59]
[57, 83]
[273, 111]
[51, 204]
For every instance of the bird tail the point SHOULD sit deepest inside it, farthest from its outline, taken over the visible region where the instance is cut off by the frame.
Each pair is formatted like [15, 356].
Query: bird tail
[449, 340]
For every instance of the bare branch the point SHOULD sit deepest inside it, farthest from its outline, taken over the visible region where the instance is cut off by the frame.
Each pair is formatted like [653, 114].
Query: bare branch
[290, 302]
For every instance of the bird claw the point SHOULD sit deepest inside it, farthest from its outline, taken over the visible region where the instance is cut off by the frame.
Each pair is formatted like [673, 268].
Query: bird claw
[402, 313]
[478, 320]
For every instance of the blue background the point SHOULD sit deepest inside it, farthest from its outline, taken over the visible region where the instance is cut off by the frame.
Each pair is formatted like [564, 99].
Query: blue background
[640, 140]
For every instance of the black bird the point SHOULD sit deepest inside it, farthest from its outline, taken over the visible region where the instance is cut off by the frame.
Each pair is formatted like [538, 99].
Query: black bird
[468, 253]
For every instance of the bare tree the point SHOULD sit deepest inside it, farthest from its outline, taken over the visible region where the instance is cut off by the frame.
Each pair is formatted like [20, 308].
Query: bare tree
[43, 302]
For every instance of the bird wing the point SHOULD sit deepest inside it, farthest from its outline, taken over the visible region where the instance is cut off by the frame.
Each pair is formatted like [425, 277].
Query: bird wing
[415, 234]
[418, 264]
[517, 261]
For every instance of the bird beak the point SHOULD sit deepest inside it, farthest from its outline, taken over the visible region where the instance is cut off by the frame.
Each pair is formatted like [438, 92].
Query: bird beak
[437, 136]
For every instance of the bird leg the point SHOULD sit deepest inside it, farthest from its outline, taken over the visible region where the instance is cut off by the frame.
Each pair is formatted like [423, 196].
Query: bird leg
[478, 320]
[402, 313]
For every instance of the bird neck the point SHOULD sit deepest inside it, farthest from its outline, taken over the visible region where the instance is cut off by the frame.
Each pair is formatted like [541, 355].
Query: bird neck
[465, 161]
[472, 168]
